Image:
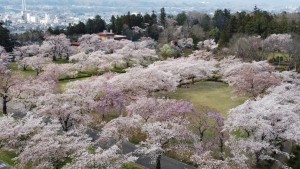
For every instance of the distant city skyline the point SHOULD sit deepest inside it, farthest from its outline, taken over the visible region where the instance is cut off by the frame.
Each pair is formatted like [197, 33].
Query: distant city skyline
[42, 14]
[234, 5]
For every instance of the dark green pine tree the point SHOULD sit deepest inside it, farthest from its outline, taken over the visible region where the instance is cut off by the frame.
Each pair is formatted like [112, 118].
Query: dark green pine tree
[163, 17]
[113, 23]
[5, 39]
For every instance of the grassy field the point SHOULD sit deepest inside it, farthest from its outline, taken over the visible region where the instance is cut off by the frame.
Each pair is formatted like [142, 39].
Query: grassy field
[63, 83]
[132, 166]
[208, 95]
[28, 72]
[7, 156]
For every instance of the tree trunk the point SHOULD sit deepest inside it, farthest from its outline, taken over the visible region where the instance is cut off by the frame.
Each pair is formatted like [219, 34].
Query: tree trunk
[257, 154]
[66, 128]
[221, 146]
[4, 108]
[158, 159]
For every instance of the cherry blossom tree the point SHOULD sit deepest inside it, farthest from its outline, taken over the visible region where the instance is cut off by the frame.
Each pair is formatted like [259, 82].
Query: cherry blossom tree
[139, 80]
[141, 56]
[202, 54]
[109, 99]
[61, 71]
[217, 123]
[63, 107]
[38, 63]
[50, 148]
[7, 82]
[3, 55]
[249, 48]
[111, 158]
[26, 51]
[278, 42]
[250, 78]
[260, 128]
[14, 133]
[205, 160]
[226, 63]
[24, 63]
[151, 109]
[98, 96]
[98, 61]
[208, 44]
[110, 46]
[79, 57]
[187, 68]
[163, 136]
[119, 130]
[199, 123]
[185, 43]
[29, 91]
[146, 42]
[89, 43]
[56, 46]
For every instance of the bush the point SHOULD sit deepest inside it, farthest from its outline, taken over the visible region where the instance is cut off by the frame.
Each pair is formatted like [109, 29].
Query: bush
[132, 166]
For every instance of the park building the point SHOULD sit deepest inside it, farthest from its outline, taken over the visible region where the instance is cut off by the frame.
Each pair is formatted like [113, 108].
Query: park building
[105, 35]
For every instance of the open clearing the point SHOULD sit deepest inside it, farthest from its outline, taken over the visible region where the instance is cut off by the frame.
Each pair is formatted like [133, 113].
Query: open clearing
[208, 96]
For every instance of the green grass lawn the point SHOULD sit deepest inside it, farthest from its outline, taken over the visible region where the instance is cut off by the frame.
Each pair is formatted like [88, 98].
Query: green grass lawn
[28, 72]
[63, 83]
[61, 61]
[208, 96]
[284, 56]
[7, 156]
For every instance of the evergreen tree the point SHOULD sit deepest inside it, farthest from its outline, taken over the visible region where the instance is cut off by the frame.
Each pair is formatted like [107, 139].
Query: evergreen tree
[4, 38]
[113, 23]
[181, 18]
[153, 18]
[163, 17]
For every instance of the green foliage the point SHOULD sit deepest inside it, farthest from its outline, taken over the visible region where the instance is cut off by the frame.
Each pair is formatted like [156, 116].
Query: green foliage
[166, 51]
[56, 31]
[118, 70]
[4, 38]
[206, 23]
[221, 19]
[138, 137]
[76, 29]
[132, 166]
[95, 25]
[181, 18]
[215, 34]
[61, 61]
[32, 36]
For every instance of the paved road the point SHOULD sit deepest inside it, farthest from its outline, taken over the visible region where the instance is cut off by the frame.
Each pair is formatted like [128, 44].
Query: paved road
[166, 162]
[3, 166]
